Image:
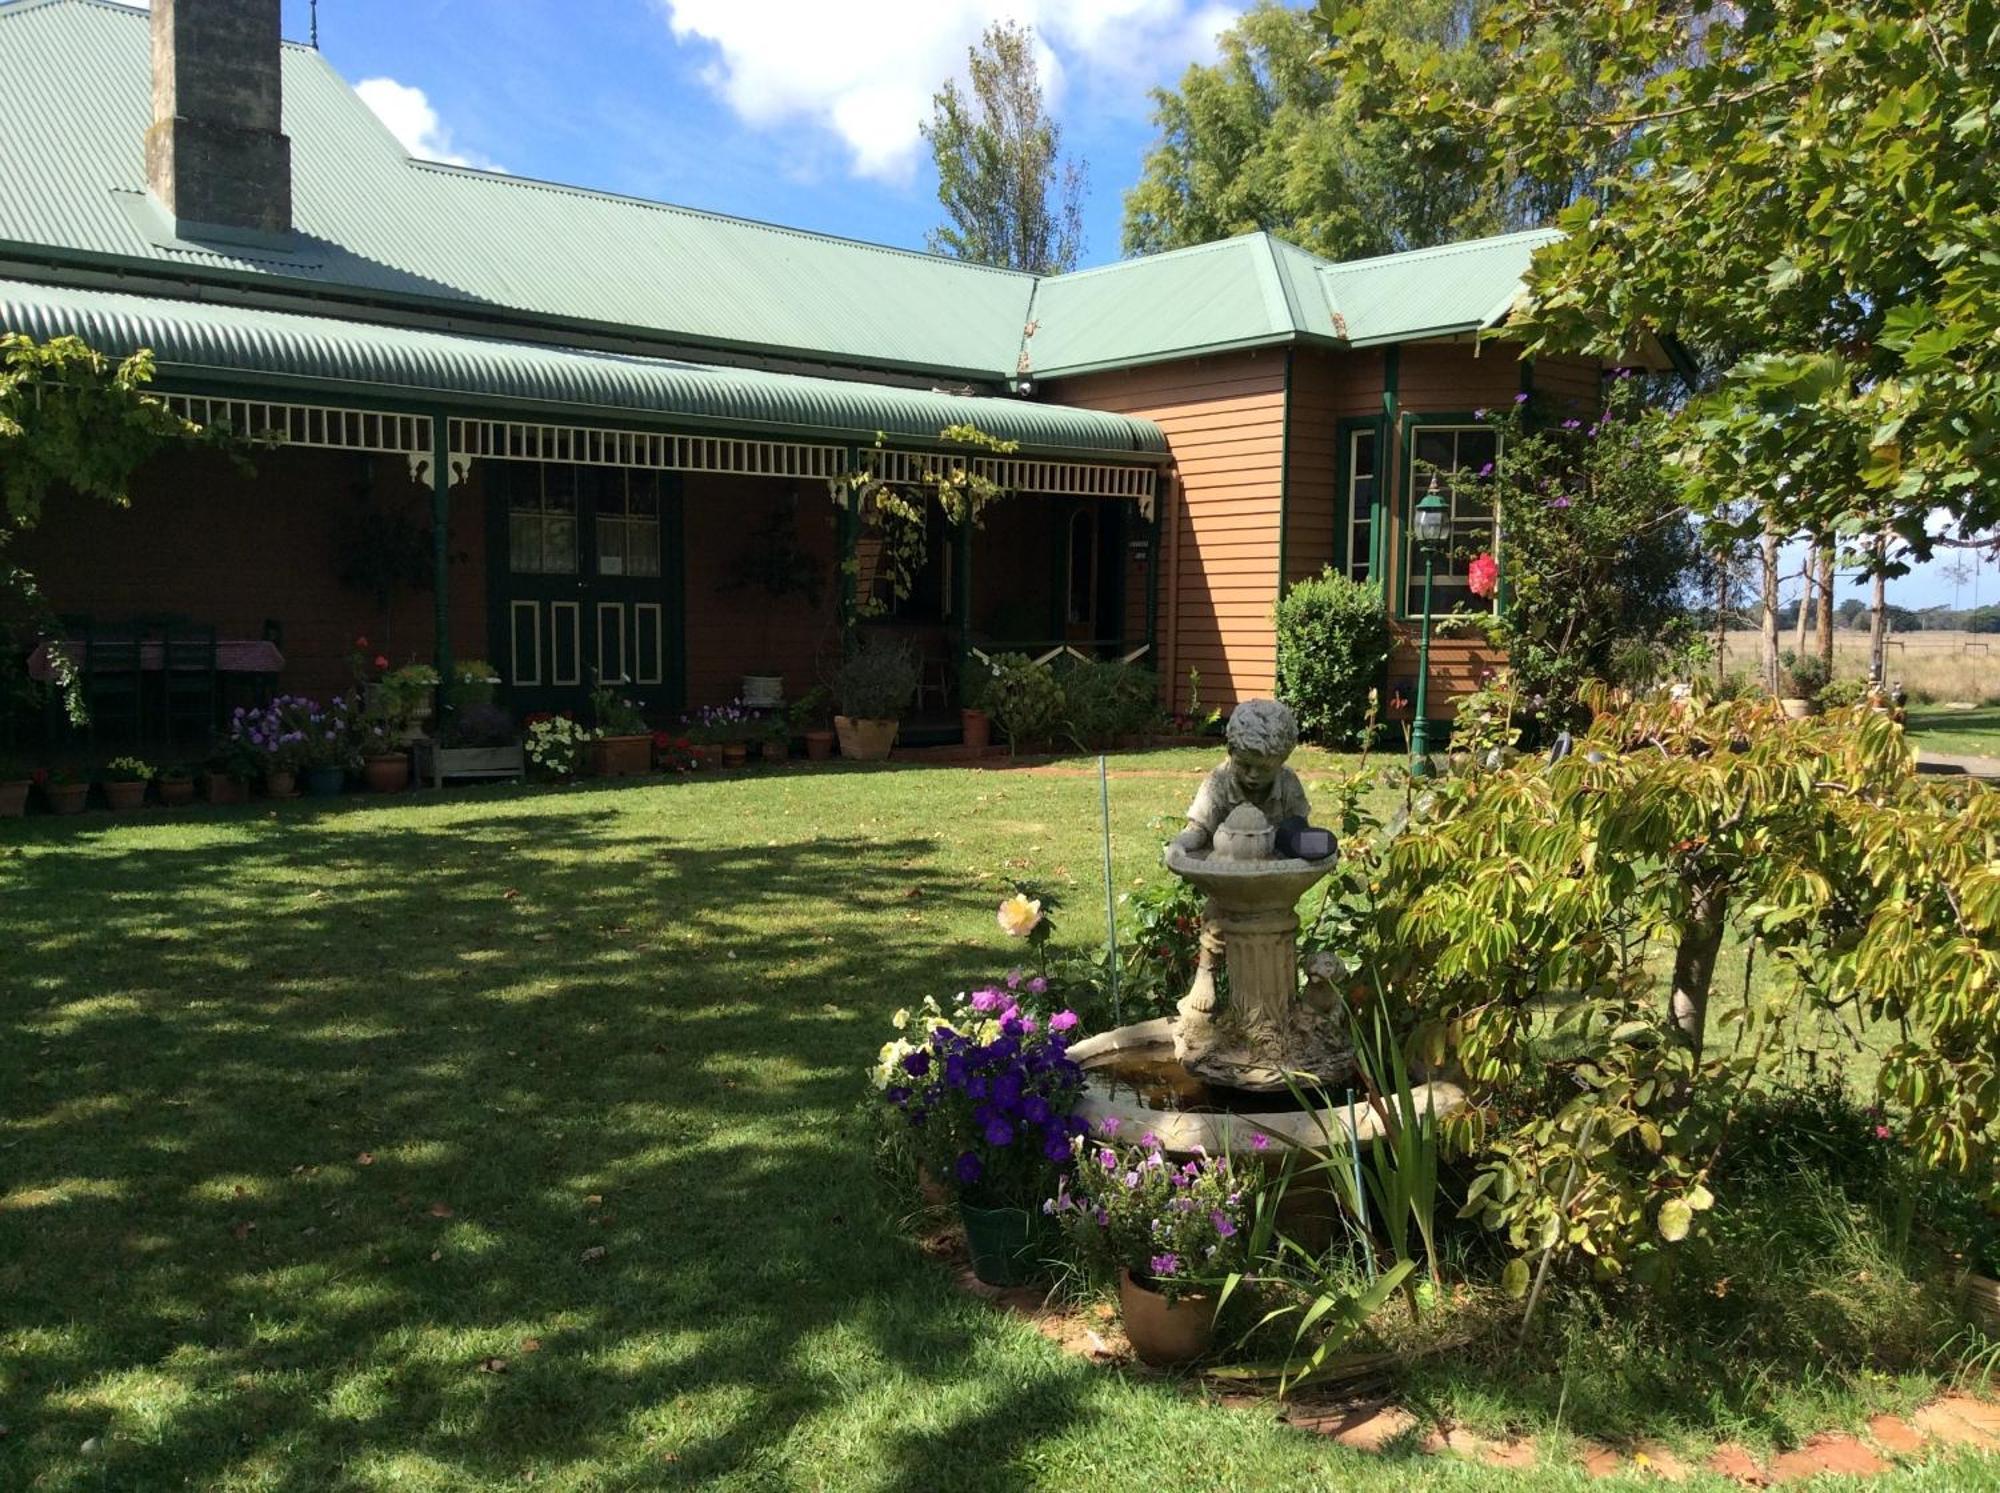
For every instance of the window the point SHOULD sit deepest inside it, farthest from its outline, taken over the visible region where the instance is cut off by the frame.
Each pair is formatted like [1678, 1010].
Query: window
[627, 504]
[1361, 497]
[541, 518]
[1458, 456]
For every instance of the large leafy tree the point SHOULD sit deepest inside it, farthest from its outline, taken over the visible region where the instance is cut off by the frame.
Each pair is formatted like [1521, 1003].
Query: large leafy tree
[1011, 197]
[1806, 191]
[1268, 138]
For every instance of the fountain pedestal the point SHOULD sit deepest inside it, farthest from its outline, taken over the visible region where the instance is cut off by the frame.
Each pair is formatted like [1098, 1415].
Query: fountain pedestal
[1263, 1036]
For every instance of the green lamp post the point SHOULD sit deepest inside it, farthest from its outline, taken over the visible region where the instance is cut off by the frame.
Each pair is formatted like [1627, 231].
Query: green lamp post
[1431, 525]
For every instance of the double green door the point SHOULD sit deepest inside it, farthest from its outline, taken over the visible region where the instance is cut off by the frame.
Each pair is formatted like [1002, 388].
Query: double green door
[585, 567]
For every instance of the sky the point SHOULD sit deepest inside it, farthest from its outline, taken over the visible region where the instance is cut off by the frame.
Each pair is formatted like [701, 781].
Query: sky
[800, 112]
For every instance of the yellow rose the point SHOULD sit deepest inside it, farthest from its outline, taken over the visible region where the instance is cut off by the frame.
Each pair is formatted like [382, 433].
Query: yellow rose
[1019, 916]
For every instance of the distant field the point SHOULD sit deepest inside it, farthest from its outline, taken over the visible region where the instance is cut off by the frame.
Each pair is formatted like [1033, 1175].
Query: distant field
[1933, 666]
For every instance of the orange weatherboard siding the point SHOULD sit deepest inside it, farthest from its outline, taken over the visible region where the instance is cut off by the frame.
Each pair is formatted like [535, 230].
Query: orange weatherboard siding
[1327, 387]
[1225, 420]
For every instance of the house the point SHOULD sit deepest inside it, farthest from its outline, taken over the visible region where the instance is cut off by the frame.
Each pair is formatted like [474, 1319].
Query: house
[583, 435]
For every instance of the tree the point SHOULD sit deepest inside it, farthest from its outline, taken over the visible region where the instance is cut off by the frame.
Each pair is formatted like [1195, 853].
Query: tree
[1013, 199]
[1806, 190]
[71, 422]
[1266, 138]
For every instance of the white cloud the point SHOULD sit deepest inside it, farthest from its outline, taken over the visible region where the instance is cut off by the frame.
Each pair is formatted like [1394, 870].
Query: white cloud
[408, 113]
[866, 71]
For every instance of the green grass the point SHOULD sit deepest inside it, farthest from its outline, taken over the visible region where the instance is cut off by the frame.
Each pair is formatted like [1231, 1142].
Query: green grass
[1973, 733]
[626, 1019]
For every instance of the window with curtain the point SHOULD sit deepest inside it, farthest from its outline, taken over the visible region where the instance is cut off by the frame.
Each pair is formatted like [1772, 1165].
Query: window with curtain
[628, 521]
[1362, 477]
[541, 518]
[1457, 456]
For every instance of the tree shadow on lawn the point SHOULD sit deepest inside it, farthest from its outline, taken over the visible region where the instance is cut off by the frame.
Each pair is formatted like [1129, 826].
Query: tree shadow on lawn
[303, 1118]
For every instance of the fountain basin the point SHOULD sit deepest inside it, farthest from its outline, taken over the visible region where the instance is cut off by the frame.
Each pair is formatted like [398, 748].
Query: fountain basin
[1132, 1078]
[1248, 886]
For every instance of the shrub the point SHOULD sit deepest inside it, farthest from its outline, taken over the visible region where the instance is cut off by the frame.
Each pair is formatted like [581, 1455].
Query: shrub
[877, 681]
[1026, 700]
[555, 745]
[1103, 701]
[1805, 675]
[1838, 694]
[1333, 642]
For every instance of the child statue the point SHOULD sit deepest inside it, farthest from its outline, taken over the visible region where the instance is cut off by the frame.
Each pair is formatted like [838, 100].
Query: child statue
[1262, 734]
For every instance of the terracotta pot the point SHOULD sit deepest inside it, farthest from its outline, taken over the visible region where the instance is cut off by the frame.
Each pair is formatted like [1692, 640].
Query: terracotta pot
[819, 745]
[66, 798]
[1795, 708]
[978, 728]
[280, 784]
[772, 749]
[176, 793]
[223, 789]
[865, 741]
[389, 773]
[14, 799]
[620, 756]
[1165, 1333]
[123, 798]
[735, 753]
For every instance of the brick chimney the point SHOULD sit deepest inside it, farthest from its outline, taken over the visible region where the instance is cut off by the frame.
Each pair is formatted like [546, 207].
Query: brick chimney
[216, 156]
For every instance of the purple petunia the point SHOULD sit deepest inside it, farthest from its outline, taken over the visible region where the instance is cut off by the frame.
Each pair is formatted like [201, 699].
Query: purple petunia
[1521, 398]
[1260, 1142]
[1063, 1021]
[968, 1169]
[917, 1064]
[1224, 1227]
[999, 1132]
[1166, 1264]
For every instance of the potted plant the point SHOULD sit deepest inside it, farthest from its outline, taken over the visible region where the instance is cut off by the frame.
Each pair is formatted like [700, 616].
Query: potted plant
[722, 732]
[974, 723]
[875, 685]
[176, 785]
[672, 753]
[812, 719]
[473, 682]
[622, 746]
[406, 698]
[328, 750]
[15, 781]
[775, 743]
[124, 780]
[226, 775]
[385, 760]
[267, 741]
[1800, 679]
[988, 1094]
[65, 795]
[1173, 1230]
[477, 740]
[555, 746]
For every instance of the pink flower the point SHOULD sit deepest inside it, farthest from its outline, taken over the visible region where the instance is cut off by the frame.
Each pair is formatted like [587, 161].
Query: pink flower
[1881, 1132]
[1063, 1021]
[1483, 575]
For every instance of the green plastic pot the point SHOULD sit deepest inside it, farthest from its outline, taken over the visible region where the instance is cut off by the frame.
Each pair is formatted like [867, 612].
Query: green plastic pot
[325, 782]
[1002, 1242]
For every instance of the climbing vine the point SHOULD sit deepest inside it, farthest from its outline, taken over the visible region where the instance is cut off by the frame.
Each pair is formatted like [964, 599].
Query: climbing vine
[900, 511]
[71, 419]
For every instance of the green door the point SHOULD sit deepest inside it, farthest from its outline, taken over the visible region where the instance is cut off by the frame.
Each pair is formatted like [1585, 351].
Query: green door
[586, 563]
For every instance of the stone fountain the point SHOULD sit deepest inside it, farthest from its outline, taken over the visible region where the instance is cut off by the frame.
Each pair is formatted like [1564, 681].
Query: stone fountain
[1228, 1066]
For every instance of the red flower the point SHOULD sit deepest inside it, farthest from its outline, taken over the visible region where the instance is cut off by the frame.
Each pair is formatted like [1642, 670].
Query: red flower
[1483, 575]
[360, 645]
[381, 662]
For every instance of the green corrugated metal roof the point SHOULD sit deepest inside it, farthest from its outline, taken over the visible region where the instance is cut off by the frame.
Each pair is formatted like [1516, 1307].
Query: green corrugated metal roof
[1427, 292]
[200, 343]
[374, 224]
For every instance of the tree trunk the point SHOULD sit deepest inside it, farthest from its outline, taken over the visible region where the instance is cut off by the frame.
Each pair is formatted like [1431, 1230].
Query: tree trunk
[1808, 568]
[1878, 624]
[1725, 586]
[1768, 650]
[1694, 961]
[1826, 604]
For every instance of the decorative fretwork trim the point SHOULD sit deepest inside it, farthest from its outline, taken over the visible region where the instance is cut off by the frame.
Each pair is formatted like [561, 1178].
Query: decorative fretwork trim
[311, 425]
[1081, 479]
[581, 445]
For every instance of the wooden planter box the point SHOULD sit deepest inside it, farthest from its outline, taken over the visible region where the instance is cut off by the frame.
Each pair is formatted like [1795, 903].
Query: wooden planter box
[436, 763]
[620, 756]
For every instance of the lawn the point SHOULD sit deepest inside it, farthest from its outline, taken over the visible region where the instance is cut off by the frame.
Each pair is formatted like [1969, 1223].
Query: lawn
[510, 1137]
[1968, 733]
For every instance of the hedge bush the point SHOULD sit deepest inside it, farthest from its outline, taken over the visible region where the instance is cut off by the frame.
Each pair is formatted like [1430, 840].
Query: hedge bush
[1025, 700]
[1104, 701]
[1333, 642]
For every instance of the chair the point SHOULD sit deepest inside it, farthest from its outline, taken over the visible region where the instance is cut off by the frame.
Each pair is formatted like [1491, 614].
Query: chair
[934, 678]
[113, 681]
[189, 679]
